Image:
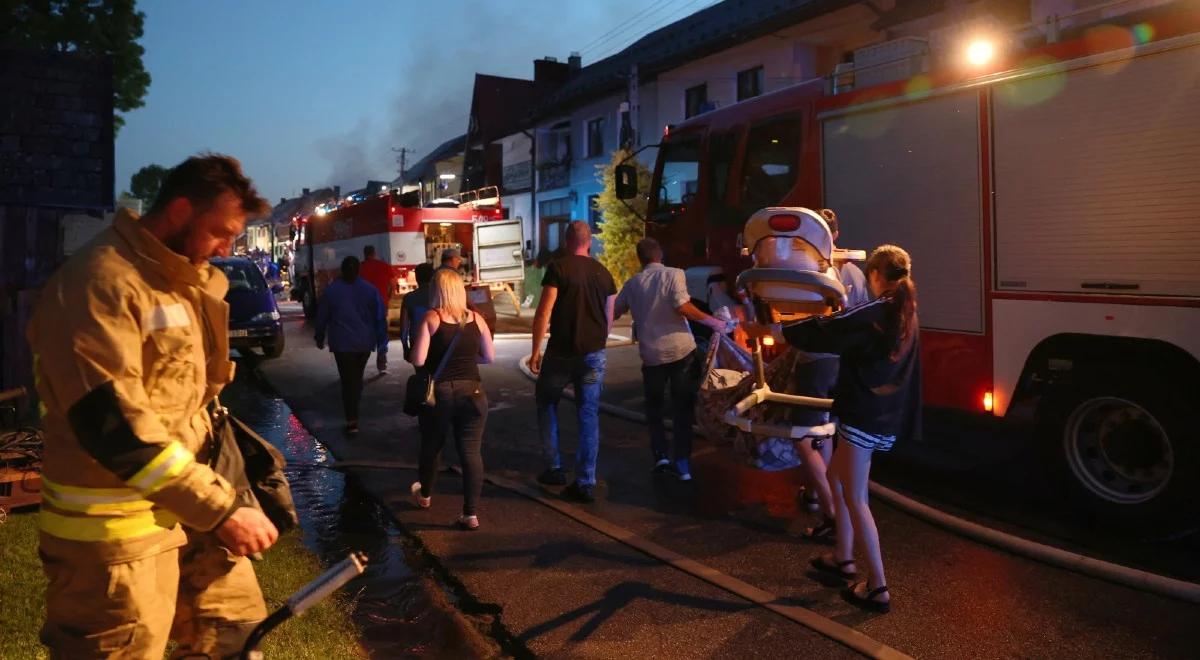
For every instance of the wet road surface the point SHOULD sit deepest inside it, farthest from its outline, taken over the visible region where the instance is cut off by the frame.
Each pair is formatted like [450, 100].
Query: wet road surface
[399, 613]
[563, 590]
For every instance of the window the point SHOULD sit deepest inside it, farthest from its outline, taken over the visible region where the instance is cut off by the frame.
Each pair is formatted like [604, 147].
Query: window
[695, 100]
[595, 137]
[554, 145]
[595, 217]
[243, 276]
[772, 162]
[749, 83]
[680, 173]
[722, 148]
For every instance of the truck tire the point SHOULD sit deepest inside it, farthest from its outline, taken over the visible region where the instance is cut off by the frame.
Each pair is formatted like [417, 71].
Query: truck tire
[274, 350]
[1127, 457]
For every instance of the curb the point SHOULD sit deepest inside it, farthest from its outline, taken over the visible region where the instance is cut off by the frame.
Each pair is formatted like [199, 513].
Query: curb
[1090, 566]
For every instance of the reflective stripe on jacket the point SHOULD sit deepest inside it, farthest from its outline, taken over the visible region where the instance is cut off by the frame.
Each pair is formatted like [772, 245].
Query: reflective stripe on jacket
[131, 344]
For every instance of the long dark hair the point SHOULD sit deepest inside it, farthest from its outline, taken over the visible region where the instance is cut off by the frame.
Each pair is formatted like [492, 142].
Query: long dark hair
[895, 266]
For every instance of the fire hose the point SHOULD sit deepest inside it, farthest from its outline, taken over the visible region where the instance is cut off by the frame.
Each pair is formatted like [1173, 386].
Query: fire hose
[301, 601]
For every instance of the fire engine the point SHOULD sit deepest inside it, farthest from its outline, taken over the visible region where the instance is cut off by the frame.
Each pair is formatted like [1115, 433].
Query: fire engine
[404, 236]
[1052, 209]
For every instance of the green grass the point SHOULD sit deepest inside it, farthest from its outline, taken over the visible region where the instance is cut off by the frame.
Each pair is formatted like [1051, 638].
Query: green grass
[324, 633]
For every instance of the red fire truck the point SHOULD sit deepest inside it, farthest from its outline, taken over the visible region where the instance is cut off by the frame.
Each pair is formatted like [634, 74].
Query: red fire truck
[1052, 209]
[405, 236]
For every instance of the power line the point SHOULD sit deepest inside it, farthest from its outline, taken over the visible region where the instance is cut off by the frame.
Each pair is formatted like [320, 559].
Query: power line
[671, 18]
[622, 26]
[637, 28]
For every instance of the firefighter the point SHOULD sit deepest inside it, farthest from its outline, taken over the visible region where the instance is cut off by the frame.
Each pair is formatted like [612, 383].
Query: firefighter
[140, 539]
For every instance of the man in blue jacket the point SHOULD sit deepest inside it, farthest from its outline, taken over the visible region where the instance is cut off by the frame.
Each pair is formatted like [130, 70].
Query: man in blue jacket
[352, 314]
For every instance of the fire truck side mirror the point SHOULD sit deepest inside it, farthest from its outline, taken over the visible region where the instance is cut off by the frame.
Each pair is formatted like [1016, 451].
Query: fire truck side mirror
[626, 179]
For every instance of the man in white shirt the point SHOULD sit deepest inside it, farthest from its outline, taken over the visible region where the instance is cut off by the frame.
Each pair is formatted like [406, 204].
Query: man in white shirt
[658, 298]
[851, 275]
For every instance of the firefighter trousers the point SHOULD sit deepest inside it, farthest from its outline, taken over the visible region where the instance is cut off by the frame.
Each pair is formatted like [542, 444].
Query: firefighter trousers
[199, 595]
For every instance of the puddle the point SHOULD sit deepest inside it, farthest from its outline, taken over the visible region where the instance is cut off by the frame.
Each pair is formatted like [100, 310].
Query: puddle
[390, 604]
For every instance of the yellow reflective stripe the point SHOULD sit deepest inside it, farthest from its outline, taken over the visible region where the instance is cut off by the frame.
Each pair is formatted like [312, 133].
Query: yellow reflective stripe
[106, 529]
[169, 464]
[93, 500]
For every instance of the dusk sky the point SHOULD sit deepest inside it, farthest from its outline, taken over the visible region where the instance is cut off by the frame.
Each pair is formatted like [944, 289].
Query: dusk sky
[310, 93]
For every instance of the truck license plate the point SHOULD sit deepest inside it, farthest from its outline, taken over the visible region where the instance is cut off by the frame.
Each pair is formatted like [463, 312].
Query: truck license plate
[239, 333]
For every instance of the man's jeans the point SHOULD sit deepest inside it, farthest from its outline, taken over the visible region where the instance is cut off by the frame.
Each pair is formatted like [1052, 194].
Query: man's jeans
[586, 374]
[680, 376]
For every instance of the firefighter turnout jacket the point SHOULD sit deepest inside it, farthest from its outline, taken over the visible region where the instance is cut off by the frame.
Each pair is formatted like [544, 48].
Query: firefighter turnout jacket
[130, 345]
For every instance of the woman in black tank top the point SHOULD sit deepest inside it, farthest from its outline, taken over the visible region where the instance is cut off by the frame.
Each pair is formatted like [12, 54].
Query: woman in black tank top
[451, 344]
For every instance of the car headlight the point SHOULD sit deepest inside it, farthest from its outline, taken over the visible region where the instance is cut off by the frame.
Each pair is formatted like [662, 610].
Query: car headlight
[272, 315]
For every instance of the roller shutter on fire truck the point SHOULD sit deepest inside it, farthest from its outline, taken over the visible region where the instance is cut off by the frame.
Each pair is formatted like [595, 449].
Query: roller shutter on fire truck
[498, 253]
[908, 174]
[1111, 202]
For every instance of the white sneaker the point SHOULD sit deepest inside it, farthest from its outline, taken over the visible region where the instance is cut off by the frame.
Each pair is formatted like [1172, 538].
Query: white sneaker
[685, 476]
[423, 502]
[469, 523]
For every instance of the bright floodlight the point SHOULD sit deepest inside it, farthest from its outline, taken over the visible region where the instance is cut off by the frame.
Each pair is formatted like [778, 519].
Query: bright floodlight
[980, 52]
[447, 177]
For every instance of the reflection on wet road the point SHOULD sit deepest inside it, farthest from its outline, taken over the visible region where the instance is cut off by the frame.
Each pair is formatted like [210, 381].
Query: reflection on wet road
[389, 603]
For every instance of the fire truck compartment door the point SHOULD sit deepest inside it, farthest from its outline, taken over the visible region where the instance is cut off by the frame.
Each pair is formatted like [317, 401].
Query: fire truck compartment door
[908, 174]
[1098, 178]
[498, 247]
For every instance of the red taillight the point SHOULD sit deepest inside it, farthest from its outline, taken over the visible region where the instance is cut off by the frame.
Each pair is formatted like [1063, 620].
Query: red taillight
[784, 222]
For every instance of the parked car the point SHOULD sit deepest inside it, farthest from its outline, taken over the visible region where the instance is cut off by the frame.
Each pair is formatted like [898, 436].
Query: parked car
[253, 314]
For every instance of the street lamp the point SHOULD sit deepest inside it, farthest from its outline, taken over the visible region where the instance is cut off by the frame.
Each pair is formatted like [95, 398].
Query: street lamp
[980, 52]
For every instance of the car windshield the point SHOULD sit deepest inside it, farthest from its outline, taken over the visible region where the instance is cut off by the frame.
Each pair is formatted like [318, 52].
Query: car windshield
[243, 276]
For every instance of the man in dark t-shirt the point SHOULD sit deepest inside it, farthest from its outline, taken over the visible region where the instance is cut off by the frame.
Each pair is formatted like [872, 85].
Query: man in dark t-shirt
[577, 307]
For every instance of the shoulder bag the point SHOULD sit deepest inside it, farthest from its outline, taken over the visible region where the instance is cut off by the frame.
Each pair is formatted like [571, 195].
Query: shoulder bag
[419, 392]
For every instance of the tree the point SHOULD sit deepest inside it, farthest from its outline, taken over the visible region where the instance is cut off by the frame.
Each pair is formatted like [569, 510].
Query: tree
[622, 224]
[144, 184]
[90, 27]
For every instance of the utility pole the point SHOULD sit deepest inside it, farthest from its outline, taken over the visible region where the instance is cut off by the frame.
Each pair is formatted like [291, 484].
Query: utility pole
[403, 151]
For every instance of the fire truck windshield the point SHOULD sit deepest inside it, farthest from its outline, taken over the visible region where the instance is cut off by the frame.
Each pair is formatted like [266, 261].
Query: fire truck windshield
[680, 173]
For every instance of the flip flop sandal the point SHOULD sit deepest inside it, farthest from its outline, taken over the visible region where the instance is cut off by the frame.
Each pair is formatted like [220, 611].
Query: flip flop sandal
[820, 564]
[825, 533]
[867, 602]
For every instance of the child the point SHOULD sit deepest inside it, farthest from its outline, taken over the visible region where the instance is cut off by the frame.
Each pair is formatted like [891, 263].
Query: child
[876, 399]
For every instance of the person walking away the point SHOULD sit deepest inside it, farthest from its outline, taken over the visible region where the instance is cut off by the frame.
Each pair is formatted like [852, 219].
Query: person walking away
[578, 295]
[140, 540]
[413, 309]
[379, 275]
[352, 316]
[453, 341]
[661, 307]
[877, 400]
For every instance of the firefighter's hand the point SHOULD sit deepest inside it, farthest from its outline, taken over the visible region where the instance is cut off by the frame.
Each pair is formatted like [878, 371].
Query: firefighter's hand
[535, 362]
[247, 531]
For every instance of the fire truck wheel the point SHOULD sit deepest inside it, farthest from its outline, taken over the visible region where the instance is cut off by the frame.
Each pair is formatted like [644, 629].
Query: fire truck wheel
[1126, 455]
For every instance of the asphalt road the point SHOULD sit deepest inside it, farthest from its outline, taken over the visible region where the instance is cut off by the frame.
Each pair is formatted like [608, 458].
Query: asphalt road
[562, 589]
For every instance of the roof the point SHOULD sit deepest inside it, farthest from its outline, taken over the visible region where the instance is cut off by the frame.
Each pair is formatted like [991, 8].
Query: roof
[499, 105]
[710, 30]
[421, 168]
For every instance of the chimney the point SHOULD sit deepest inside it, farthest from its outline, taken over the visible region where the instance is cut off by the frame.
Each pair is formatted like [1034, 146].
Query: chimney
[574, 62]
[337, 193]
[304, 191]
[282, 201]
[549, 73]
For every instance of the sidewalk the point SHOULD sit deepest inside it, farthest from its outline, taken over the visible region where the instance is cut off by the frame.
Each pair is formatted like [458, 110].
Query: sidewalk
[564, 589]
